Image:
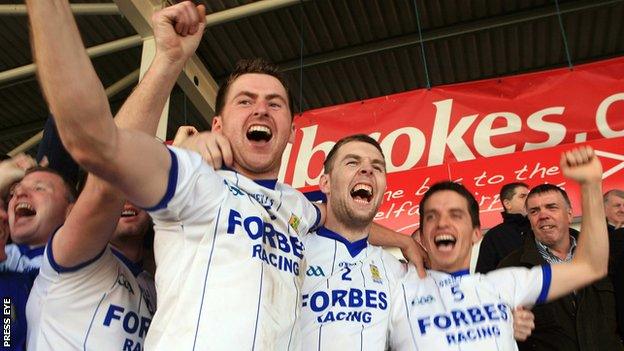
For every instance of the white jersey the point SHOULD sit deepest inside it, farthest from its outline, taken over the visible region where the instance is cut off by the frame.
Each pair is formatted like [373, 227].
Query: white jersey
[228, 254]
[106, 303]
[463, 311]
[21, 258]
[346, 293]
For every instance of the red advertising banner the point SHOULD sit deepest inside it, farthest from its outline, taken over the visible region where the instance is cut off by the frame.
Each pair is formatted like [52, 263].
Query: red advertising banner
[469, 121]
[484, 177]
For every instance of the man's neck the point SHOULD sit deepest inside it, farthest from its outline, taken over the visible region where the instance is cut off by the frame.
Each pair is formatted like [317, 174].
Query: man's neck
[348, 232]
[272, 174]
[131, 250]
[561, 249]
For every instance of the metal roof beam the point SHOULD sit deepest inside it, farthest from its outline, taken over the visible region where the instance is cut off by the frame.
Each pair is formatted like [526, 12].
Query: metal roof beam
[195, 80]
[94, 51]
[111, 91]
[436, 34]
[77, 9]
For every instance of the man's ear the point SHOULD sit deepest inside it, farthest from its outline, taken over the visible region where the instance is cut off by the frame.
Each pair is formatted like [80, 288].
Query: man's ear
[291, 138]
[506, 203]
[217, 124]
[477, 234]
[325, 183]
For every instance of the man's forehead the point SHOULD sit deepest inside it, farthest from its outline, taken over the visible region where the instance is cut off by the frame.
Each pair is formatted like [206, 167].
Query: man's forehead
[521, 190]
[615, 198]
[545, 198]
[360, 148]
[257, 83]
[446, 200]
[42, 175]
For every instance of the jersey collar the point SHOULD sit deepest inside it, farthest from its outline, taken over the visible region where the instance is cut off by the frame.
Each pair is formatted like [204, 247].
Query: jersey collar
[267, 183]
[135, 268]
[354, 248]
[460, 273]
[25, 250]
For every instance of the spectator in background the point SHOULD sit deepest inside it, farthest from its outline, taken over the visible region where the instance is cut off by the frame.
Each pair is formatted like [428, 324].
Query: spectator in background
[582, 320]
[14, 286]
[38, 204]
[614, 209]
[506, 237]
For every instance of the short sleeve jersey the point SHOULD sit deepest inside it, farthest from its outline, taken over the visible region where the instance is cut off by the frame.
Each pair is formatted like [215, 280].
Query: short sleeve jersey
[228, 251]
[106, 303]
[346, 293]
[462, 311]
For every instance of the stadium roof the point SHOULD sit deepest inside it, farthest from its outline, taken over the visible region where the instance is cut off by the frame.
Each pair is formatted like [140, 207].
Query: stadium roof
[331, 51]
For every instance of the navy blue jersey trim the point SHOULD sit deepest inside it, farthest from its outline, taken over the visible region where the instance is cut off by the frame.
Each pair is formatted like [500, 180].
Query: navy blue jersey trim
[61, 269]
[84, 344]
[267, 183]
[171, 184]
[135, 268]
[354, 248]
[316, 195]
[25, 250]
[253, 345]
[546, 279]
[201, 306]
[459, 273]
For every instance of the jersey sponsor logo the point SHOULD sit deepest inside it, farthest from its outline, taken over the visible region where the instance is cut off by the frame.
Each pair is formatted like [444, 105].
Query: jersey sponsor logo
[280, 262]
[131, 322]
[375, 274]
[464, 325]
[257, 229]
[472, 334]
[315, 271]
[359, 303]
[423, 300]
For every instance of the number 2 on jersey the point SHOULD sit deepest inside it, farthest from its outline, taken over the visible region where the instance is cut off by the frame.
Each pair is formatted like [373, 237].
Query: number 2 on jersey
[345, 275]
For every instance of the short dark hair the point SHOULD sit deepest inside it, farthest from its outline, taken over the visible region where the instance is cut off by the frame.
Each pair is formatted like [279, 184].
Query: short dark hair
[549, 188]
[328, 164]
[71, 192]
[508, 191]
[247, 66]
[473, 205]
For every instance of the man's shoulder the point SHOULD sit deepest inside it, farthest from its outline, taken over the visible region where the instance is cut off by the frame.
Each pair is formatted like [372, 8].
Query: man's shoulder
[514, 259]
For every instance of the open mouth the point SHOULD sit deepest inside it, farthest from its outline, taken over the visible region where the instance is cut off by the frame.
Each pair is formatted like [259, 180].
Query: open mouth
[128, 213]
[23, 209]
[259, 133]
[547, 227]
[444, 242]
[362, 193]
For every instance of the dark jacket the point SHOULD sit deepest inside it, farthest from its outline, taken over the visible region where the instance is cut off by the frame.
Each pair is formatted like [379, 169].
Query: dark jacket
[585, 321]
[616, 272]
[501, 240]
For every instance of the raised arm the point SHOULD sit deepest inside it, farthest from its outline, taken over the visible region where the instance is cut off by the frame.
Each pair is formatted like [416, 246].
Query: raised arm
[592, 252]
[135, 162]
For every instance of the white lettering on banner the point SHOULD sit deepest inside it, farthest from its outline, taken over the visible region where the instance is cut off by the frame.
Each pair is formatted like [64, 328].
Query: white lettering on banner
[556, 131]
[484, 132]
[416, 148]
[441, 138]
[444, 137]
[601, 117]
[301, 176]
